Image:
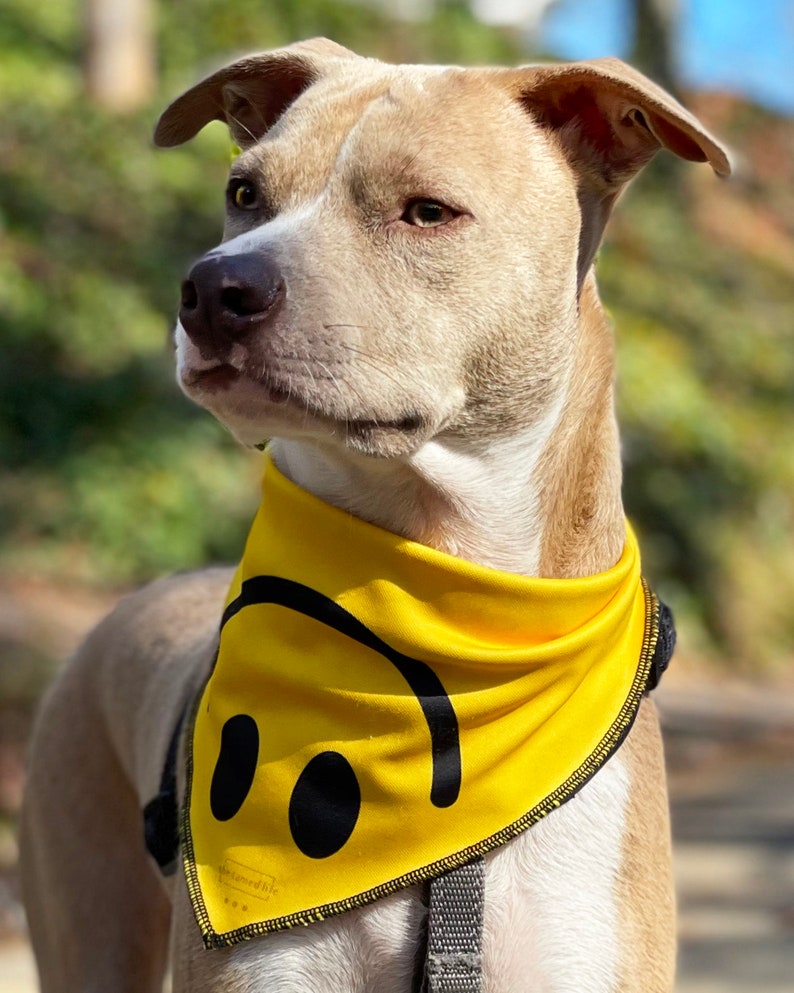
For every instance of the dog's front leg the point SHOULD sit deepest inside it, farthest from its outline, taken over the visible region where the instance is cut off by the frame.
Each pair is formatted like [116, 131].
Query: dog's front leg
[97, 910]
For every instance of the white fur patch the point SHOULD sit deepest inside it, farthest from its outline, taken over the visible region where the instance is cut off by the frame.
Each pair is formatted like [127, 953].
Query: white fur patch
[274, 231]
[552, 920]
[496, 491]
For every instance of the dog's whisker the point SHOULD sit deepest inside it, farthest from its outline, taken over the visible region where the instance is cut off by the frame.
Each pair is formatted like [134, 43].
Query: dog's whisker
[310, 371]
[370, 361]
[408, 163]
[243, 127]
[342, 392]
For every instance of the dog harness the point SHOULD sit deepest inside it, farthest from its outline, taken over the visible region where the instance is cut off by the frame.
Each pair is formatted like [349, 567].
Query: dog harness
[381, 713]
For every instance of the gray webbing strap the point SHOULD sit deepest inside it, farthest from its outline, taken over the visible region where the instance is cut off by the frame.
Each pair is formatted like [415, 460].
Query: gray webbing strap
[454, 931]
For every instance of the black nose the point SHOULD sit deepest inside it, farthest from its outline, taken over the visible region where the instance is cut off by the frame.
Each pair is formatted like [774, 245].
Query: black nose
[225, 298]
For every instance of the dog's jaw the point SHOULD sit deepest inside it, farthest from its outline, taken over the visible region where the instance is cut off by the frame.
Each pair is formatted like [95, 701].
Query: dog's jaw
[478, 503]
[504, 503]
[256, 403]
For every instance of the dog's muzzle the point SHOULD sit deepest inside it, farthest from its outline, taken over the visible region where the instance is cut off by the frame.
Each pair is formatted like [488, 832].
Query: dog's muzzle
[228, 298]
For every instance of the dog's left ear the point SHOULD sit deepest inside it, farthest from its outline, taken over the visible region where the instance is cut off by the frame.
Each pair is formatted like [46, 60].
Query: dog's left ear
[250, 95]
[610, 121]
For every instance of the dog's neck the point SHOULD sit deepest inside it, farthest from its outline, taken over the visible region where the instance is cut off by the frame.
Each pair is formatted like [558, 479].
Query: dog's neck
[544, 501]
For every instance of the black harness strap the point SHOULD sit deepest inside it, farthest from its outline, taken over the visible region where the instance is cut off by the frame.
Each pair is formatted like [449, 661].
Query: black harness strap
[665, 646]
[161, 815]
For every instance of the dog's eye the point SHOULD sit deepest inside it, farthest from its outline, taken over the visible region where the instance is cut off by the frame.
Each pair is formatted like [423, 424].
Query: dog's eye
[243, 194]
[427, 214]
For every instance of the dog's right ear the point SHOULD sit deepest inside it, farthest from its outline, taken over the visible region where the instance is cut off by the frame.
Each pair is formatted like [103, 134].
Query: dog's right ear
[608, 121]
[249, 95]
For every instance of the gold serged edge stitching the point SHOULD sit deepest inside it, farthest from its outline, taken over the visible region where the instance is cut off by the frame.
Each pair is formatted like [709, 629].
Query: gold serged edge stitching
[610, 742]
[186, 837]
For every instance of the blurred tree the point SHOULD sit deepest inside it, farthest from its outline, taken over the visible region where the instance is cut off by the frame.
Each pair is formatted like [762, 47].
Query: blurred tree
[655, 23]
[119, 62]
[653, 51]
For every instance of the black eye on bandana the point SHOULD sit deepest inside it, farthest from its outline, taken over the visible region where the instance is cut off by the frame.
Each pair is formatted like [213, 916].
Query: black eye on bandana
[236, 766]
[326, 799]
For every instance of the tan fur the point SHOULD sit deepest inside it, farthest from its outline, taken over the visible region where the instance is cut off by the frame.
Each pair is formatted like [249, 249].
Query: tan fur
[581, 466]
[648, 952]
[452, 384]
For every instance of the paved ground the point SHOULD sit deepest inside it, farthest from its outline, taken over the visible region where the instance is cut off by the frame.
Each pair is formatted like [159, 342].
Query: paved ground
[733, 823]
[735, 871]
[731, 753]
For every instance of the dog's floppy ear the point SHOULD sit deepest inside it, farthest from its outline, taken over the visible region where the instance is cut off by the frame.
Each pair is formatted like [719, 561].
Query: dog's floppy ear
[610, 120]
[249, 95]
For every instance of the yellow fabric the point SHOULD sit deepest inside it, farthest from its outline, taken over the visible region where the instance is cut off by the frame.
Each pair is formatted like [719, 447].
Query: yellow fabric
[365, 636]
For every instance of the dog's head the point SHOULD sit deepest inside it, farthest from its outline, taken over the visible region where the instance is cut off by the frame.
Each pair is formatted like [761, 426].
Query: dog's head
[405, 246]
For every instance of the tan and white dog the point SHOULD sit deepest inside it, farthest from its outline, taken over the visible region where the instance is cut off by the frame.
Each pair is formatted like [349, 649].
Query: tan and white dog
[404, 301]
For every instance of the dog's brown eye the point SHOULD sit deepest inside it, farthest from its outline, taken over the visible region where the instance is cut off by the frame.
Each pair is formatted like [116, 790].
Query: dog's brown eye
[427, 214]
[243, 194]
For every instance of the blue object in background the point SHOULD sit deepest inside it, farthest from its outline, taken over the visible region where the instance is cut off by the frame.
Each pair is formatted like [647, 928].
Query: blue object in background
[743, 46]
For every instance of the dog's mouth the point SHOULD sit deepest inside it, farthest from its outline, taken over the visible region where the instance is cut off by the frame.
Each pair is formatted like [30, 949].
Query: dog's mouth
[217, 377]
[206, 383]
[222, 377]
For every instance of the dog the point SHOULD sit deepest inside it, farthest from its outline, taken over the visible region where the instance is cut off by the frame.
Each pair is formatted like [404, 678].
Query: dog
[404, 303]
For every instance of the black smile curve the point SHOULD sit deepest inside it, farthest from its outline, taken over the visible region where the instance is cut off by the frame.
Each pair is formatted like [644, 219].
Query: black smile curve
[442, 723]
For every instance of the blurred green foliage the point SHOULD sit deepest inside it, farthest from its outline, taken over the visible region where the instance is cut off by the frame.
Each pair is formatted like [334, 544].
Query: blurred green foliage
[705, 336]
[111, 477]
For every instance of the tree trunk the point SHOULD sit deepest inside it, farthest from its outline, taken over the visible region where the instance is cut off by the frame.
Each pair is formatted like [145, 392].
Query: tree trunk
[654, 45]
[119, 65]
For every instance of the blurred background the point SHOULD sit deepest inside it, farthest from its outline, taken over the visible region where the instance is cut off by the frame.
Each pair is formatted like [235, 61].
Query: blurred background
[110, 477]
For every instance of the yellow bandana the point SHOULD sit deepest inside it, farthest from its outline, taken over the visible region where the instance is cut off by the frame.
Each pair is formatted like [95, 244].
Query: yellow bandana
[381, 712]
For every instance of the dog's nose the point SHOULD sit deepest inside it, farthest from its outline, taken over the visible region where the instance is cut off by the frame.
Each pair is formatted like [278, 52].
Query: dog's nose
[227, 297]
